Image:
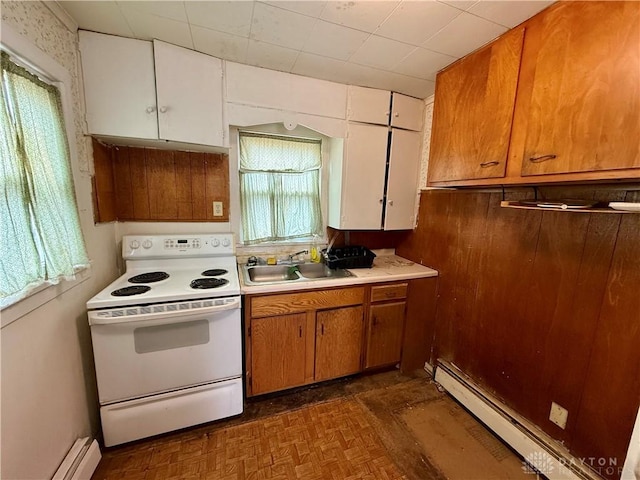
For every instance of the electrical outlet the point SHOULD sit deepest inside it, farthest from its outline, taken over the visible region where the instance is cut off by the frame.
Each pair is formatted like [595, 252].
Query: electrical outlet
[558, 415]
[217, 209]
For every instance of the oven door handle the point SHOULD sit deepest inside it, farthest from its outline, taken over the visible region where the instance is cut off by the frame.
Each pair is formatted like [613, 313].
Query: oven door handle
[160, 318]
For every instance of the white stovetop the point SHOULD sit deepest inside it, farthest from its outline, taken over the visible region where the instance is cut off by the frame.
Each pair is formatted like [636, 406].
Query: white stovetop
[386, 268]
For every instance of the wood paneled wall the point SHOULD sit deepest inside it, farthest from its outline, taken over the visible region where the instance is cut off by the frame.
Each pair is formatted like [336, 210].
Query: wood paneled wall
[540, 306]
[145, 184]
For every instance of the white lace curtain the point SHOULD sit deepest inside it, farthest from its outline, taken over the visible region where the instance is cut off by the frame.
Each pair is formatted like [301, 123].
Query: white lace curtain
[279, 187]
[39, 226]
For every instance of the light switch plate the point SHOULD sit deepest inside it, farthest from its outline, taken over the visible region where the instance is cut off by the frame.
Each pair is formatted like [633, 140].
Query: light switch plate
[217, 209]
[558, 415]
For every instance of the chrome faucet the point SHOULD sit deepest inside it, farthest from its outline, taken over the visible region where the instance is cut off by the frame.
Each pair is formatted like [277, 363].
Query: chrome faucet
[305, 252]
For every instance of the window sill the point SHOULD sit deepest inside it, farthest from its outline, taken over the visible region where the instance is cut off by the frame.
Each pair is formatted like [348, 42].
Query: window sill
[39, 297]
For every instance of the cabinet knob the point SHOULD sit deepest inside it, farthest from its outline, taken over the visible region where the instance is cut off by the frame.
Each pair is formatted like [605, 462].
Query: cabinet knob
[381, 200]
[489, 164]
[151, 109]
[542, 158]
[391, 203]
[387, 113]
[163, 109]
[396, 114]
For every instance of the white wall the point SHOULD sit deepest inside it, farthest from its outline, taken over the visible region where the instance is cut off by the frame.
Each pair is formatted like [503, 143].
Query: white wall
[48, 395]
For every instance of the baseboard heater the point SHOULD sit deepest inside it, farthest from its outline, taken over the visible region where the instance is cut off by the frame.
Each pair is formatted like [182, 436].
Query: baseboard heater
[540, 451]
[80, 462]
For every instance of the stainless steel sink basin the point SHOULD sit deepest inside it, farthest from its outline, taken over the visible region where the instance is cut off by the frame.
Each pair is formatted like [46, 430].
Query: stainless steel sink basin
[272, 273]
[320, 270]
[305, 272]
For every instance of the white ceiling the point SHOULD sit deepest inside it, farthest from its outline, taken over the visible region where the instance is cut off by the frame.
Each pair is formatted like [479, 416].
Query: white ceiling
[395, 45]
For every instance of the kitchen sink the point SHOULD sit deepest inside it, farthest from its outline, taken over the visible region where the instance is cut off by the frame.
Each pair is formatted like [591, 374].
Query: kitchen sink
[304, 272]
[272, 273]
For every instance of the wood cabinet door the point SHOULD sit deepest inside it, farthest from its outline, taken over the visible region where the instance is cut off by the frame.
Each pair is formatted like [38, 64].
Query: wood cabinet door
[278, 352]
[368, 105]
[339, 340]
[363, 177]
[407, 112]
[579, 92]
[473, 112]
[384, 338]
[189, 86]
[402, 180]
[119, 86]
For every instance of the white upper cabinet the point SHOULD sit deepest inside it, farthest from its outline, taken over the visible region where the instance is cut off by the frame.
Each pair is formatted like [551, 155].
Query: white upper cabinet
[189, 92]
[402, 182]
[368, 105]
[357, 179]
[382, 107]
[407, 112]
[151, 91]
[119, 86]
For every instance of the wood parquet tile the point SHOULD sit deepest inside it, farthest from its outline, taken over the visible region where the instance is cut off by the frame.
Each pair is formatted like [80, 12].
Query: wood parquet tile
[325, 441]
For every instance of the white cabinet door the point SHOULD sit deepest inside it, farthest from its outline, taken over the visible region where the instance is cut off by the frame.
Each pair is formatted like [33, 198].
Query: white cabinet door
[363, 177]
[402, 183]
[368, 105]
[189, 90]
[407, 112]
[119, 86]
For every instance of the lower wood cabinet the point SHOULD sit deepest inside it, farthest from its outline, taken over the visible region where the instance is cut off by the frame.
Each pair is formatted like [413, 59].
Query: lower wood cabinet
[385, 330]
[299, 338]
[279, 350]
[384, 341]
[339, 336]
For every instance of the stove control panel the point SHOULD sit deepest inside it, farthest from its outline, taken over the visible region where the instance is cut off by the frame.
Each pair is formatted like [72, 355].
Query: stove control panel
[172, 246]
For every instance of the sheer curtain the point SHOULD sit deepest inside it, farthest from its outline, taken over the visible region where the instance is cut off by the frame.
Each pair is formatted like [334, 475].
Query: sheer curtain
[279, 187]
[39, 225]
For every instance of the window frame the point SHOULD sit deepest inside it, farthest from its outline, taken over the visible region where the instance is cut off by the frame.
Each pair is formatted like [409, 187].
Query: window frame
[234, 166]
[26, 54]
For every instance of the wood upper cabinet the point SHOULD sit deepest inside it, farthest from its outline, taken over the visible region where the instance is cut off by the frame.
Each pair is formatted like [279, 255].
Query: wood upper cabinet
[579, 99]
[151, 91]
[339, 340]
[278, 352]
[473, 112]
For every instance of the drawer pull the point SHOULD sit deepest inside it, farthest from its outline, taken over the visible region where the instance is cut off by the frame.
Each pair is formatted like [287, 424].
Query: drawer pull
[489, 164]
[542, 158]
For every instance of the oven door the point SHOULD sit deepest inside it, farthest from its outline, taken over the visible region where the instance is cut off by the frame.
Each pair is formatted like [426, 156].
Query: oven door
[141, 351]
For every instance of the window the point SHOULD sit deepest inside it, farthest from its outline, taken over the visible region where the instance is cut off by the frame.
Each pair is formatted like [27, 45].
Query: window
[279, 187]
[39, 226]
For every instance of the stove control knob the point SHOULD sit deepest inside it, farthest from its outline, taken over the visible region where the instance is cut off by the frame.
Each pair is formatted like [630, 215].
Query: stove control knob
[225, 242]
[147, 244]
[216, 242]
[134, 244]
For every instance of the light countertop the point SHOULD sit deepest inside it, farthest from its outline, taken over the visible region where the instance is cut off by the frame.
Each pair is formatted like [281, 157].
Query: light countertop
[386, 268]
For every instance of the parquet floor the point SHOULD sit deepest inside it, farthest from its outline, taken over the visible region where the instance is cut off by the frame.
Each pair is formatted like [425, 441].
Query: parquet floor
[333, 440]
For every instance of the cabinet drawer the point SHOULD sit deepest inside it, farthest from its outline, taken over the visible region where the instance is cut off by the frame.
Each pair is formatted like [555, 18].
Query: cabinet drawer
[389, 292]
[265, 306]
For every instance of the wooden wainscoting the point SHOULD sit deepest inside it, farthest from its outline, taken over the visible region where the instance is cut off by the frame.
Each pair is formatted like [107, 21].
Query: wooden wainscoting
[540, 306]
[146, 184]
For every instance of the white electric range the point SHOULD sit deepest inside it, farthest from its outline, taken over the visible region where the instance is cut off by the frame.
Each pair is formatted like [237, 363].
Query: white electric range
[167, 336]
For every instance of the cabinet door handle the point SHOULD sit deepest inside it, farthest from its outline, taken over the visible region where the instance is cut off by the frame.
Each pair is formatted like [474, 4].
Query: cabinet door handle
[374, 320]
[489, 164]
[542, 158]
[163, 109]
[151, 109]
[322, 329]
[300, 331]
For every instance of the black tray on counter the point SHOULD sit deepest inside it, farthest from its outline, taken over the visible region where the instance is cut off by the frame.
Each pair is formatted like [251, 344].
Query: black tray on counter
[354, 256]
